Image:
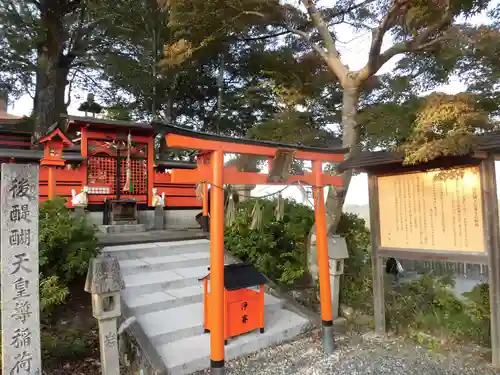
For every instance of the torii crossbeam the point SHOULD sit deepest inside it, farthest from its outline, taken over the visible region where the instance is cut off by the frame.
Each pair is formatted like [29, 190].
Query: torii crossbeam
[211, 170]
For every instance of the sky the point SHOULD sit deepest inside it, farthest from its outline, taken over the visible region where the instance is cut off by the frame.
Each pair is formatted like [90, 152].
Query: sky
[353, 48]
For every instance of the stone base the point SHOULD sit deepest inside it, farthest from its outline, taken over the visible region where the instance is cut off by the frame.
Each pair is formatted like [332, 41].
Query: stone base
[174, 219]
[80, 211]
[159, 218]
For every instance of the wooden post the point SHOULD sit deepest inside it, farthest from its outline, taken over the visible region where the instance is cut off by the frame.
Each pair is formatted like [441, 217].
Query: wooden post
[377, 261]
[19, 279]
[217, 266]
[52, 181]
[492, 243]
[323, 260]
[84, 149]
[118, 173]
[151, 170]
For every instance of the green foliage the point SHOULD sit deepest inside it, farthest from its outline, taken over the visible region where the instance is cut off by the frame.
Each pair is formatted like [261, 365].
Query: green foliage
[279, 249]
[422, 308]
[445, 125]
[72, 344]
[426, 308]
[356, 284]
[388, 124]
[67, 243]
[52, 294]
[429, 305]
[427, 127]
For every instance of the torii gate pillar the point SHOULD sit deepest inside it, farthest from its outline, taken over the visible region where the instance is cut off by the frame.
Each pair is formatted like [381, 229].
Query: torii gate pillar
[323, 261]
[217, 265]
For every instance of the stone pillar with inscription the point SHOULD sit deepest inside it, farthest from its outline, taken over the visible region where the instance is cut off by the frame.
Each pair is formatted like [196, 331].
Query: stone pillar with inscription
[105, 283]
[19, 275]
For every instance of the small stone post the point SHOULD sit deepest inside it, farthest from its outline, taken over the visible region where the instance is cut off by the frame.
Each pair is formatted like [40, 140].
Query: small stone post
[80, 211]
[19, 280]
[105, 283]
[337, 253]
[159, 218]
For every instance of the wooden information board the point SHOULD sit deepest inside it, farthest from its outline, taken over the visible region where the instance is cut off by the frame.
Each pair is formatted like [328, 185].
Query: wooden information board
[423, 211]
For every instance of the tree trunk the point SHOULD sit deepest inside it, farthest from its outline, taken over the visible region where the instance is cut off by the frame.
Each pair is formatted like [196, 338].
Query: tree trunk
[336, 196]
[168, 113]
[154, 108]
[52, 71]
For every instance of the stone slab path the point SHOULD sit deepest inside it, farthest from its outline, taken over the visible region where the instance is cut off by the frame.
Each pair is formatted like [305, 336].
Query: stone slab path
[356, 355]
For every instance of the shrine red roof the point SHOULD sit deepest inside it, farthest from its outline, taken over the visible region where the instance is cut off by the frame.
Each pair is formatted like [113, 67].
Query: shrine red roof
[8, 116]
[172, 129]
[106, 124]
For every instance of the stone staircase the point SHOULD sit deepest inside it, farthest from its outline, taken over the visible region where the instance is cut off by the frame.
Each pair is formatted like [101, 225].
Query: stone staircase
[165, 295]
[122, 228]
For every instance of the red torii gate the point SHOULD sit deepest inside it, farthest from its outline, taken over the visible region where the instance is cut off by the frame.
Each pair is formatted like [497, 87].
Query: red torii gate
[211, 170]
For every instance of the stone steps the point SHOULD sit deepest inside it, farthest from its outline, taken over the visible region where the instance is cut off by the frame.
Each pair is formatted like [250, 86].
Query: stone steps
[152, 302]
[164, 263]
[166, 326]
[193, 354]
[164, 293]
[158, 281]
[122, 228]
[157, 249]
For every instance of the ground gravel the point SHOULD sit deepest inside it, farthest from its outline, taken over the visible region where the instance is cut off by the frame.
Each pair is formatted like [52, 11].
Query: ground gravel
[366, 354]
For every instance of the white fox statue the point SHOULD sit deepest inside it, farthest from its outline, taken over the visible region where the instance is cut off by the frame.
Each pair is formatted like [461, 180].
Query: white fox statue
[81, 198]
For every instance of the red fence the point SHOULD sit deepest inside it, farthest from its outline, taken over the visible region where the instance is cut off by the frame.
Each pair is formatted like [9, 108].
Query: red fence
[176, 195]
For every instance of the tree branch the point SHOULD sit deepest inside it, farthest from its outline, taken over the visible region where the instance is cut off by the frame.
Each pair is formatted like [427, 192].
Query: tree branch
[332, 56]
[307, 38]
[263, 37]
[421, 42]
[70, 87]
[35, 3]
[379, 32]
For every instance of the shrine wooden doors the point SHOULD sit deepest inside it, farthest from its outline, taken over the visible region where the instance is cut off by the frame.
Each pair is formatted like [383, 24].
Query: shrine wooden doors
[108, 169]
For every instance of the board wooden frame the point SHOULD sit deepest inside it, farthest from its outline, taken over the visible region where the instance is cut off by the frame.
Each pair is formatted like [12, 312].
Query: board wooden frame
[491, 255]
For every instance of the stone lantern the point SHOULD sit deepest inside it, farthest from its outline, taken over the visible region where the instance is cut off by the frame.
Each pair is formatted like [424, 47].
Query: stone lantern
[105, 283]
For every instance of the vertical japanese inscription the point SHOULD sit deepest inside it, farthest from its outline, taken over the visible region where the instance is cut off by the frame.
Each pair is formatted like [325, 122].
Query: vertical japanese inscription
[432, 210]
[19, 277]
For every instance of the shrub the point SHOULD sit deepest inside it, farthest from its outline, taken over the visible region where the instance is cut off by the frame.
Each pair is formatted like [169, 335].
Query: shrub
[67, 243]
[66, 246]
[279, 249]
[72, 344]
[427, 304]
[356, 283]
[52, 294]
